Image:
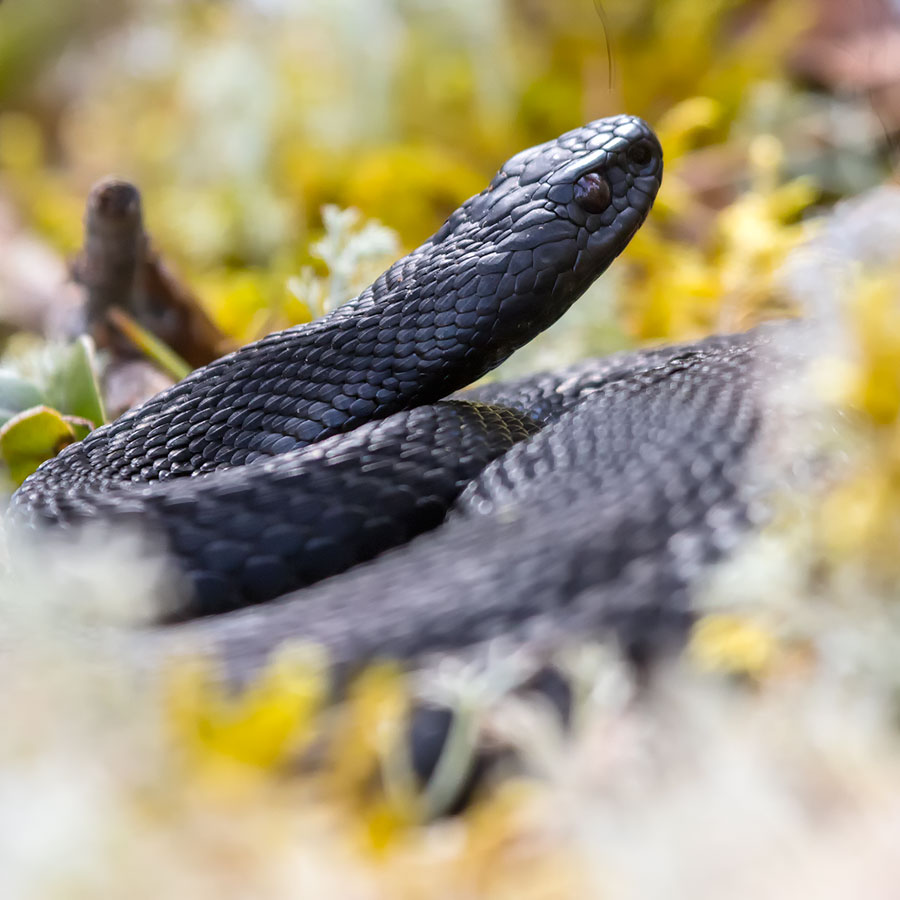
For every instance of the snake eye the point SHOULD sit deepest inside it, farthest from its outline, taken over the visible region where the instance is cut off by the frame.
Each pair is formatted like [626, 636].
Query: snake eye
[592, 193]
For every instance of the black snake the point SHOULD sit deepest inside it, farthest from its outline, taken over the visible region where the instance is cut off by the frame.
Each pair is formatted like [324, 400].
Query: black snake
[584, 498]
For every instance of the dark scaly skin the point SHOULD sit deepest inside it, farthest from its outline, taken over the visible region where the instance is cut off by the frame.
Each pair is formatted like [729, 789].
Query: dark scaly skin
[504, 266]
[287, 522]
[544, 396]
[600, 522]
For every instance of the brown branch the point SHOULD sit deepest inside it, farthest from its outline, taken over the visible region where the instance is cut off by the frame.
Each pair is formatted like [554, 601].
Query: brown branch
[119, 269]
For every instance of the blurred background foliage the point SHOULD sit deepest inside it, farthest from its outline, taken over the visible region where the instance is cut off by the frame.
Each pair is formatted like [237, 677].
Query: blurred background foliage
[240, 120]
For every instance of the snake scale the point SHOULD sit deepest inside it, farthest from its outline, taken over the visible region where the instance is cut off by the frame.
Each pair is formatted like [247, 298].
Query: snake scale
[579, 500]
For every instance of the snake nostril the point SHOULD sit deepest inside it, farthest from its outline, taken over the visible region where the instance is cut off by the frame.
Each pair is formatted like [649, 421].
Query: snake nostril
[640, 154]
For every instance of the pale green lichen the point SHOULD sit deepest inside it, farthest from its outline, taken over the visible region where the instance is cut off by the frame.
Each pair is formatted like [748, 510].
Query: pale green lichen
[354, 253]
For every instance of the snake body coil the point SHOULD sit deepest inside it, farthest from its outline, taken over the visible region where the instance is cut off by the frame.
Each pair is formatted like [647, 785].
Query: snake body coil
[318, 447]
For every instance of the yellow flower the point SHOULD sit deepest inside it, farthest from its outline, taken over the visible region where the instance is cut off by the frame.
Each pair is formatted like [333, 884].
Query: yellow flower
[728, 643]
[262, 727]
[874, 313]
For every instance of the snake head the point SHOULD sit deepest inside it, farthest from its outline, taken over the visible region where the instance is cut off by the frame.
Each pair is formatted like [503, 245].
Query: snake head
[549, 223]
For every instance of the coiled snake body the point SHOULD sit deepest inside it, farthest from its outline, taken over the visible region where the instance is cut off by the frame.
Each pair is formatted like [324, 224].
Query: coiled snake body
[586, 494]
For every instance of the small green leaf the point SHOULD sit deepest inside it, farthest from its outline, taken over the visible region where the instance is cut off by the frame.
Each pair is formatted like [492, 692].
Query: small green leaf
[31, 437]
[72, 387]
[17, 394]
[81, 428]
